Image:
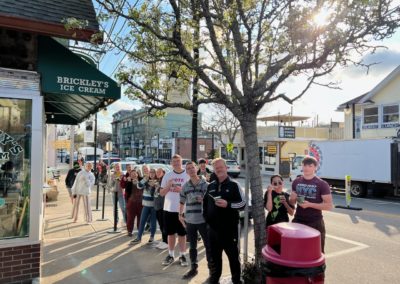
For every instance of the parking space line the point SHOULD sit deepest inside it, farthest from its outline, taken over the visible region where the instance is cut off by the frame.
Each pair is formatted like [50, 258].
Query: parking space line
[358, 246]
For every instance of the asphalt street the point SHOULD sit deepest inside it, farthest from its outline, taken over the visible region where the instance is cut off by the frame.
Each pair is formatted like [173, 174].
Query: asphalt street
[361, 246]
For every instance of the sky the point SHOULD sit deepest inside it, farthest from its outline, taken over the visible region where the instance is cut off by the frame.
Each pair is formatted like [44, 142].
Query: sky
[319, 103]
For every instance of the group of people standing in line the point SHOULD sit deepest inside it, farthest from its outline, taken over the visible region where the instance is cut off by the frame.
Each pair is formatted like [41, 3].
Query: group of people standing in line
[190, 201]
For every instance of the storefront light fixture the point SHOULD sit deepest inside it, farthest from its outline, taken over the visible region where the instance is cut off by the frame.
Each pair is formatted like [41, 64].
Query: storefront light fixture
[52, 116]
[347, 109]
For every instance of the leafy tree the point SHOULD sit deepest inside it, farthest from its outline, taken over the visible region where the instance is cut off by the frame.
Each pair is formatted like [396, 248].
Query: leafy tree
[247, 49]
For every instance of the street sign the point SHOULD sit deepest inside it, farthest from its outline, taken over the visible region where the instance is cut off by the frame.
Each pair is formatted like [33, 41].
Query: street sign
[287, 132]
[229, 147]
[62, 144]
[271, 149]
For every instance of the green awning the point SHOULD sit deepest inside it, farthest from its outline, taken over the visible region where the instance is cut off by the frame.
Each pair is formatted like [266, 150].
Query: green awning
[72, 88]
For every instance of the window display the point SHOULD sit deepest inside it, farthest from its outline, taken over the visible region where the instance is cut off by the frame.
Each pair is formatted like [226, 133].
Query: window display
[15, 169]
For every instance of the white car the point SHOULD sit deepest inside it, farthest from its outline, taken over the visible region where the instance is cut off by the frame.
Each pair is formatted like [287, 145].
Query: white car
[132, 159]
[233, 168]
[166, 168]
[123, 165]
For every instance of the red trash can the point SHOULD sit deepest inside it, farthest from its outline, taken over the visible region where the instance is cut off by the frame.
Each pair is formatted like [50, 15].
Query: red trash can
[293, 255]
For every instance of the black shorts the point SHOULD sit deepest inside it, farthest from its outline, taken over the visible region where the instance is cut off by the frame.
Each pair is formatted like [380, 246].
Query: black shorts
[172, 224]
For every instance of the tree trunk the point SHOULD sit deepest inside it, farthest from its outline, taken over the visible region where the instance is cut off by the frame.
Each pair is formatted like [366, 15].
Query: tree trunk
[249, 127]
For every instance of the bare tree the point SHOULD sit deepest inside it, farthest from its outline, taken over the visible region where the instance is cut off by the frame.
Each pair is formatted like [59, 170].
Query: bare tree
[247, 50]
[225, 124]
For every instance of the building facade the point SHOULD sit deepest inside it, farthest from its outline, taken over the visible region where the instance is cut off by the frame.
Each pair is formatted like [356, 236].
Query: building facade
[41, 82]
[277, 145]
[137, 134]
[376, 113]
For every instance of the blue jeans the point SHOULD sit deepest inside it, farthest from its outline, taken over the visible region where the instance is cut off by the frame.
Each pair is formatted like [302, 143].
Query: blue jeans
[122, 205]
[146, 212]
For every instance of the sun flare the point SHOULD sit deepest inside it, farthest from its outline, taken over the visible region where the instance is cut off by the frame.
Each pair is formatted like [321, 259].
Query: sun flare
[322, 17]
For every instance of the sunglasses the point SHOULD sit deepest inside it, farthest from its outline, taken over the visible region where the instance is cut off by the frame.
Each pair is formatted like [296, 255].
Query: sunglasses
[277, 183]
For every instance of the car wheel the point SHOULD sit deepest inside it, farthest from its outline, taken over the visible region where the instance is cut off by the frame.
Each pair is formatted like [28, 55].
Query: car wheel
[357, 190]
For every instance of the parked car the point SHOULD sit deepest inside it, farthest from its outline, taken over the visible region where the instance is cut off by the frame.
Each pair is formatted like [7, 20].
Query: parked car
[112, 160]
[233, 168]
[249, 204]
[67, 157]
[123, 165]
[132, 159]
[167, 168]
[184, 161]
[162, 161]
[145, 160]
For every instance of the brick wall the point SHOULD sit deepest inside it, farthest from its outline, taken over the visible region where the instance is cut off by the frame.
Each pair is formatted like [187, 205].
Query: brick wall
[19, 264]
[184, 147]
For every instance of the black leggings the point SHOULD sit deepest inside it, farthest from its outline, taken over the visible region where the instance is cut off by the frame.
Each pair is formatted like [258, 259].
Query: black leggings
[160, 219]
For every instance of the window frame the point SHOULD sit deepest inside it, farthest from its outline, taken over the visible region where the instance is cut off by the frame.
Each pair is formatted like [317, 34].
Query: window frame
[383, 114]
[36, 205]
[377, 115]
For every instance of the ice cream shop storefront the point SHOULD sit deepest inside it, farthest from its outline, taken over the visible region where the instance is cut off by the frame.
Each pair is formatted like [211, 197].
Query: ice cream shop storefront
[41, 82]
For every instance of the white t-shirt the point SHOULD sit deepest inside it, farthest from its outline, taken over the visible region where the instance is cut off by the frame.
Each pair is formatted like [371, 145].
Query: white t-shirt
[171, 202]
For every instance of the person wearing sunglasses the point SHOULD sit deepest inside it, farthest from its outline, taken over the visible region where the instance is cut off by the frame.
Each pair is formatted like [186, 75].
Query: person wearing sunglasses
[276, 201]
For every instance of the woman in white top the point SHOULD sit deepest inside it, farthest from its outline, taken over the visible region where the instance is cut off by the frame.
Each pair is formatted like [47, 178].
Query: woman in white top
[81, 190]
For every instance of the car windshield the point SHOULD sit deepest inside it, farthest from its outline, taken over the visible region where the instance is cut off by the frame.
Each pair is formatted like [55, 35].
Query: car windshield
[232, 163]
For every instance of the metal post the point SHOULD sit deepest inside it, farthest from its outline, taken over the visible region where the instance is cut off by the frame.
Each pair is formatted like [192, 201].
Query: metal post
[96, 172]
[103, 206]
[246, 212]
[115, 229]
[71, 148]
[353, 116]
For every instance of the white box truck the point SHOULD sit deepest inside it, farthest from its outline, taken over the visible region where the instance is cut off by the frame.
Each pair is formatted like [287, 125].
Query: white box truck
[372, 164]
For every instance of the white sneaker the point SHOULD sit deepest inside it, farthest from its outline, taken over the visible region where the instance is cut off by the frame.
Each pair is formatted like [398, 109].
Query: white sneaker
[162, 246]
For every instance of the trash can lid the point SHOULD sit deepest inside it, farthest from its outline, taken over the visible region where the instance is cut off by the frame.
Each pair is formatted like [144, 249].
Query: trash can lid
[293, 245]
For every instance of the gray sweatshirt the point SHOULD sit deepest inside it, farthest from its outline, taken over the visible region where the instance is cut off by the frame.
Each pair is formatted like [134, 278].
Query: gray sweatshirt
[188, 196]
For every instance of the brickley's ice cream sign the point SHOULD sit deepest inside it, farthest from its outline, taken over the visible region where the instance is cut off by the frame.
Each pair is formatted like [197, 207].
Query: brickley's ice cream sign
[80, 85]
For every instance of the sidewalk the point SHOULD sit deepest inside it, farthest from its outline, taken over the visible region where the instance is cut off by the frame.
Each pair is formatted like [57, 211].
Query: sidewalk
[80, 253]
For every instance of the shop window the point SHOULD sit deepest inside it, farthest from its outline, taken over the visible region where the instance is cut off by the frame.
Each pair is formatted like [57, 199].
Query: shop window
[390, 114]
[15, 169]
[371, 115]
[270, 155]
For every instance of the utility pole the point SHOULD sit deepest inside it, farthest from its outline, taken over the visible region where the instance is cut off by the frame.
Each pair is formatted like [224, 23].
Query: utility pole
[196, 35]
[212, 142]
[158, 145]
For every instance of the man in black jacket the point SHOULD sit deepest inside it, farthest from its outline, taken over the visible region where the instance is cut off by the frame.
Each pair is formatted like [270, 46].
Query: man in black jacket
[70, 178]
[221, 206]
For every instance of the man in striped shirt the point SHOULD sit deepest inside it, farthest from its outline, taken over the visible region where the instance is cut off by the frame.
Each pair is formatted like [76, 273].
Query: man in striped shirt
[191, 202]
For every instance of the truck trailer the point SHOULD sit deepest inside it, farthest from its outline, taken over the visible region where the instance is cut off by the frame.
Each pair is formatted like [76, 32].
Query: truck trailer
[373, 164]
